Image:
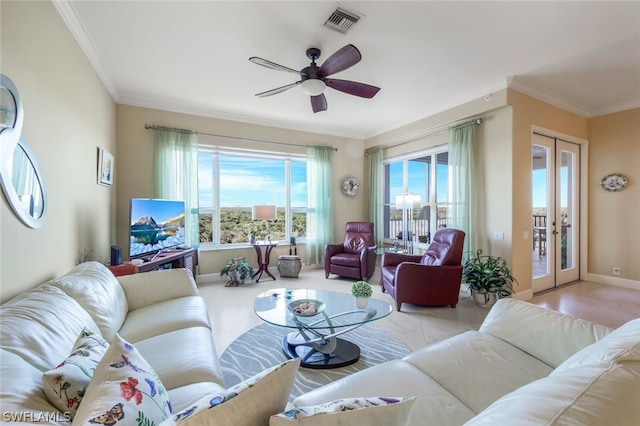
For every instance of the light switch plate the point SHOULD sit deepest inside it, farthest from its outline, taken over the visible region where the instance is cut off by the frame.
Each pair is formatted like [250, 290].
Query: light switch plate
[498, 235]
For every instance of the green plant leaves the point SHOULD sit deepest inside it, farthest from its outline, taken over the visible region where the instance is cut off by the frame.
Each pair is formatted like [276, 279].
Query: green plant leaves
[488, 274]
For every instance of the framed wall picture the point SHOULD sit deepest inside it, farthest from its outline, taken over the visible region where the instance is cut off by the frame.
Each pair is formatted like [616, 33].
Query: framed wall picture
[106, 167]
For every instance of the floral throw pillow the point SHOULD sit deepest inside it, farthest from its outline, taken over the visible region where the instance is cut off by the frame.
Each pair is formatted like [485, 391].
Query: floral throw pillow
[378, 411]
[250, 402]
[124, 389]
[66, 384]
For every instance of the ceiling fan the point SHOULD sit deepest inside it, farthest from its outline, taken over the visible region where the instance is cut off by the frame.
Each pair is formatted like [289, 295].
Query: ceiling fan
[313, 79]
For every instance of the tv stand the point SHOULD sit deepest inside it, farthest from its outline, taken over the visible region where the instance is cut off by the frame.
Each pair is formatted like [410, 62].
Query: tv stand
[164, 259]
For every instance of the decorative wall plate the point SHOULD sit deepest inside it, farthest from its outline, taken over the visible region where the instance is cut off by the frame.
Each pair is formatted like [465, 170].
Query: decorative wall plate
[350, 186]
[613, 182]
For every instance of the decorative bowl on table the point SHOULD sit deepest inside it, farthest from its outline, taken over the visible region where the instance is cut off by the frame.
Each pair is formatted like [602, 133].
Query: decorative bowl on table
[306, 307]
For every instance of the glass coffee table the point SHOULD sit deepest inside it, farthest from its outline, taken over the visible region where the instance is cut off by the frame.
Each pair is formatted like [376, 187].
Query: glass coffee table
[316, 340]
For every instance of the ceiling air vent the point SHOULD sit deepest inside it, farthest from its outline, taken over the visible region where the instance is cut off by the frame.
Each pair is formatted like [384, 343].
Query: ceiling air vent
[341, 20]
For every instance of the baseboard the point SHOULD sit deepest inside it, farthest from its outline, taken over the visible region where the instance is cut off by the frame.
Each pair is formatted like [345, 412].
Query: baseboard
[619, 282]
[524, 295]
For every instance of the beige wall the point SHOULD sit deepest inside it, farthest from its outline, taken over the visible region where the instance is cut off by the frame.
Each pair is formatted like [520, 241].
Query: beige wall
[529, 112]
[68, 115]
[504, 152]
[135, 162]
[614, 228]
[493, 152]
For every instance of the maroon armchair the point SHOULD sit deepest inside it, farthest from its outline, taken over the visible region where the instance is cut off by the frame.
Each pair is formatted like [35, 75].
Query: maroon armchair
[431, 279]
[356, 257]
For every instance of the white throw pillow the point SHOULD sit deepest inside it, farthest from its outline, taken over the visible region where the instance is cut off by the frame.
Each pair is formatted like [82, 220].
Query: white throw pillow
[124, 388]
[380, 411]
[66, 384]
[250, 402]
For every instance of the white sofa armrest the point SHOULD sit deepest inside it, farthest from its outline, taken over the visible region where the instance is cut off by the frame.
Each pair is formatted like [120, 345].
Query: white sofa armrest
[545, 334]
[157, 286]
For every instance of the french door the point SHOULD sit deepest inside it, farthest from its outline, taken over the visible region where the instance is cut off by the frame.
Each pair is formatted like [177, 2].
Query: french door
[556, 212]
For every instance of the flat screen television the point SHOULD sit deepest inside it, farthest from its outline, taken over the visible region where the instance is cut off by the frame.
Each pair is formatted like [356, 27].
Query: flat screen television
[155, 225]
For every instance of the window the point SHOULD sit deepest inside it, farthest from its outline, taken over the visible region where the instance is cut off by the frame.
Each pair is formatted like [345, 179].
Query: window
[416, 174]
[231, 182]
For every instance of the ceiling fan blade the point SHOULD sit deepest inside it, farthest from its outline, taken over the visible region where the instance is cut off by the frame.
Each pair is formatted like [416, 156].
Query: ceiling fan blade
[319, 103]
[352, 87]
[344, 58]
[272, 65]
[278, 90]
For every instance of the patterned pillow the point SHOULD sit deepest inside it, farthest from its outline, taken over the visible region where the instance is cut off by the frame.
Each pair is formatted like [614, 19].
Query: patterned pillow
[251, 402]
[66, 384]
[124, 388]
[380, 411]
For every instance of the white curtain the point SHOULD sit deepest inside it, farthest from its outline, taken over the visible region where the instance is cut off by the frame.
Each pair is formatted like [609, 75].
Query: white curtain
[462, 182]
[176, 174]
[376, 194]
[319, 203]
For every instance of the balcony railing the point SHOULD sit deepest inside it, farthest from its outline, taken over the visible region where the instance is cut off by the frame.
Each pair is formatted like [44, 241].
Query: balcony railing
[418, 228]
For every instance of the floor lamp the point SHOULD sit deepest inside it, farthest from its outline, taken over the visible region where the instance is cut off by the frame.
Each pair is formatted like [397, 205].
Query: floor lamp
[264, 213]
[407, 202]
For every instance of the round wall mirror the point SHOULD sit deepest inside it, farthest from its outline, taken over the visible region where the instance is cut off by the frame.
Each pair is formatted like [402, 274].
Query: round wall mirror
[20, 174]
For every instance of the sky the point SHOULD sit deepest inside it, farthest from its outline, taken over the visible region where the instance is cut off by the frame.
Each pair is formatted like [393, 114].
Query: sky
[540, 187]
[262, 181]
[245, 182]
[417, 181]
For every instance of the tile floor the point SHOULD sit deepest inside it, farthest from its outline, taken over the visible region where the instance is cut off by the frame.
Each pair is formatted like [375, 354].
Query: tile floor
[231, 308]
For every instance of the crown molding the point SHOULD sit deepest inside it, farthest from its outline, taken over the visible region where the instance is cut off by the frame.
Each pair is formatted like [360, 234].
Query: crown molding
[624, 106]
[205, 112]
[69, 16]
[528, 89]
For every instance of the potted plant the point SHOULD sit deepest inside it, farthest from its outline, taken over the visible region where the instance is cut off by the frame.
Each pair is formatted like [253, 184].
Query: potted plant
[488, 277]
[237, 270]
[362, 291]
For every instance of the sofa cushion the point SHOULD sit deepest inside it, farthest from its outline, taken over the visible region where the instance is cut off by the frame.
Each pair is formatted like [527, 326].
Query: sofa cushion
[98, 291]
[42, 325]
[21, 392]
[586, 395]
[250, 402]
[157, 286]
[540, 332]
[475, 367]
[66, 384]
[163, 317]
[124, 387]
[347, 412]
[183, 357]
[622, 344]
[401, 379]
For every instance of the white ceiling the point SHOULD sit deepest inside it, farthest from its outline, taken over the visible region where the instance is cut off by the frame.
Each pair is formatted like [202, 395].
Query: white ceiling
[192, 56]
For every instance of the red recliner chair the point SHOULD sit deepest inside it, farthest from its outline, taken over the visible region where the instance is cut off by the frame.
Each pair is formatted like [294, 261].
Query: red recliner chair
[356, 257]
[431, 279]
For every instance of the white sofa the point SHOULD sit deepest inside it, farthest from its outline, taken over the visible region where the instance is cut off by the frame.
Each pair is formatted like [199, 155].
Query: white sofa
[526, 365]
[161, 313]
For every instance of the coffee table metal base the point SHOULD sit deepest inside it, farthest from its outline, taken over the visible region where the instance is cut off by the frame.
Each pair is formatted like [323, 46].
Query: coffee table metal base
[331, 353]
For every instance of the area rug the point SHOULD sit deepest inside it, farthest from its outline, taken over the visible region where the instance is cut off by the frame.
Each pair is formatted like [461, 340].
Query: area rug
[260, 348]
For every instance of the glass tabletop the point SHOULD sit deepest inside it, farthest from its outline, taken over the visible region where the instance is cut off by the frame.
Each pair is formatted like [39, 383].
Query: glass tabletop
[277, 307]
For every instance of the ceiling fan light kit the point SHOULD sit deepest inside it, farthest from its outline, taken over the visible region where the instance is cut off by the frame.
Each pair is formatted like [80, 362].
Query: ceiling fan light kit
[313, 87]
[313, 79]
